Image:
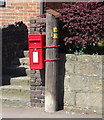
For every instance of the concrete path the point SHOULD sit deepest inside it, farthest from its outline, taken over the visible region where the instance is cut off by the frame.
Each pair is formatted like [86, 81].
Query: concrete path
[40, 113]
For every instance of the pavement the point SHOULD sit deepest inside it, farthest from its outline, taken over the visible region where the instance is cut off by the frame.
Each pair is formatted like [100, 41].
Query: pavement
[8, 112]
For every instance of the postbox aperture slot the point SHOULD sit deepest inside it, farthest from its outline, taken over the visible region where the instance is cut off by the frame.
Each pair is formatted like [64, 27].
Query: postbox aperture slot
[34, 41]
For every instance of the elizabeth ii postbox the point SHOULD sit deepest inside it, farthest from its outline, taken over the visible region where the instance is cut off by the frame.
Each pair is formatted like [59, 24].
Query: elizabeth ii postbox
[36, 50]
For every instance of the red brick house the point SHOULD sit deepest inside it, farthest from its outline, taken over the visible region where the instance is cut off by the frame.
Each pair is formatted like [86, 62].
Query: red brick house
[18, 10]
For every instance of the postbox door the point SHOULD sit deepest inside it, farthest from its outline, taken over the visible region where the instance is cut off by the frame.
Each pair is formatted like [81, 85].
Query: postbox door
[36, 58]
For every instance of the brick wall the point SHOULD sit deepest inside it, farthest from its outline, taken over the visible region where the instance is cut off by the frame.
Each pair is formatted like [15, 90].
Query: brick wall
[37, 80]
[37, 83]
[19, 11]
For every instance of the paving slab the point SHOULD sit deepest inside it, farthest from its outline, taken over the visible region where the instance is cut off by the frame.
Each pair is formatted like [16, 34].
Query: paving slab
[29, 112]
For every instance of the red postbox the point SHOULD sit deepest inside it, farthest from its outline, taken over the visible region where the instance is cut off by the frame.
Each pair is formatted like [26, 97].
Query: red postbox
[36, 50]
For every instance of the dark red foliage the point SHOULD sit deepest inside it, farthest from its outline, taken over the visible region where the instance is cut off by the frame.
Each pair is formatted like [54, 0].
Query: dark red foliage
[83, 23]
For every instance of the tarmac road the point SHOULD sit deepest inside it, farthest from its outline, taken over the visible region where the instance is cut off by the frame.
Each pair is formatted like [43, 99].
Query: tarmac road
[40, 113]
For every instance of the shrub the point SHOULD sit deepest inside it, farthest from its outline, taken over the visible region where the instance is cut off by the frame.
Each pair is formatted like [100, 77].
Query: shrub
[82, 27]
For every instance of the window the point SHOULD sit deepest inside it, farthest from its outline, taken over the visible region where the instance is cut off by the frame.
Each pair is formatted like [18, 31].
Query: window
[2, 3]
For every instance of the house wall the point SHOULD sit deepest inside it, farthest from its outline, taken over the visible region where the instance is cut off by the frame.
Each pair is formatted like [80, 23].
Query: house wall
[19, 10]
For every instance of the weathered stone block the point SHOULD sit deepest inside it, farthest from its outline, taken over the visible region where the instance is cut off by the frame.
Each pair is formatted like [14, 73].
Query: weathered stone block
[15, 91]
[102, 58]
[24, 61]
[28, 72]
[89, 58]
[69, 98]
[78, 83]
[103, 86]
[95, 84]
[88, 69]
[89, 100]
[71, 57]
[103, 70]
[67, 83]
[69, 67]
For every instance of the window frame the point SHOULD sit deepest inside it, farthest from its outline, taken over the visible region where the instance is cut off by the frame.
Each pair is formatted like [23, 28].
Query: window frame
[2, 3]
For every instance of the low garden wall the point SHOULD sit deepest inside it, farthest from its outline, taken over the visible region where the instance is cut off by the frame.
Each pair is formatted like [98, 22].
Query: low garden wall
[82, 83]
